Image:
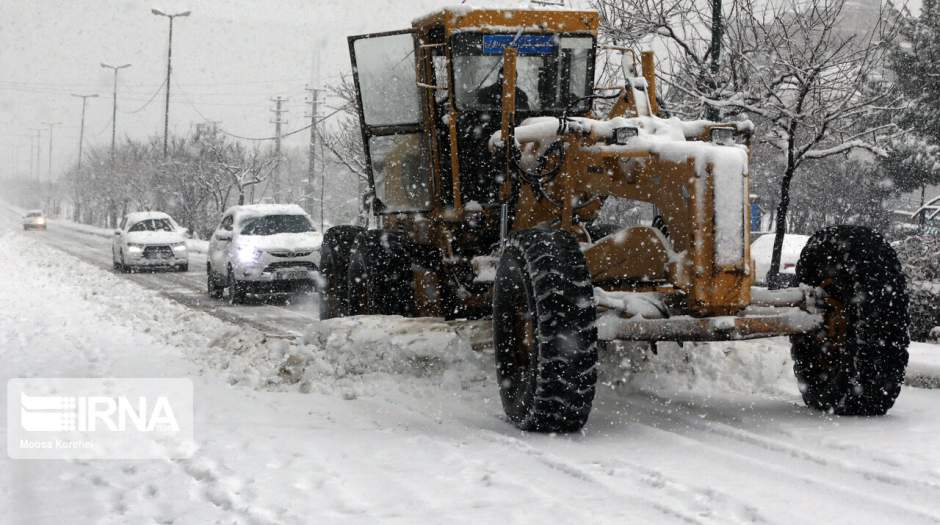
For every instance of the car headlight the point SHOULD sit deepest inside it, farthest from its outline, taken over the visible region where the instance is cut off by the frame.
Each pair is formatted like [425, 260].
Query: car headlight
[247, 255]
[178, 246]
[135, 248]
[621, 136]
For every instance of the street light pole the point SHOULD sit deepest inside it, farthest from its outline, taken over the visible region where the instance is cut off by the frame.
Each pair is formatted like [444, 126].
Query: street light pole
[81, 129]
[114, 105]
[169, 71]
[51, 125]
[34, 159]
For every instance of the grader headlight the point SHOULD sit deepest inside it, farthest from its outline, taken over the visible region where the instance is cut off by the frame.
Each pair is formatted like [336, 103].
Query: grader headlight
[621, 136]
[723, 136]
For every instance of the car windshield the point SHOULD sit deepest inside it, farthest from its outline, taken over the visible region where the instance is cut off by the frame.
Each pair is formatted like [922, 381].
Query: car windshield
[34, 214]
[552, 71]
[152, 225]
[273, 224]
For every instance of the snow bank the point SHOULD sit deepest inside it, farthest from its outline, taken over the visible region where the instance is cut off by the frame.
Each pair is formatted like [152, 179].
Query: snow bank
[194, 245]
[347, 357]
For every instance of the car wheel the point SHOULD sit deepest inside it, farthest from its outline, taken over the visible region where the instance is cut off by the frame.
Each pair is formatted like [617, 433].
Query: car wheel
[214, 287]
[237, 290]
[183, 268]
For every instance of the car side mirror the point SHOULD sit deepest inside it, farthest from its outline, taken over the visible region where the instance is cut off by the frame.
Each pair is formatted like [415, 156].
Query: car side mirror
[117, 232]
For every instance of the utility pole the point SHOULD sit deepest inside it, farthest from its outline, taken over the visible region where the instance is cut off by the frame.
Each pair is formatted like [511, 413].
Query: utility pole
[81, 129]
[51, 125]
[312, 155]
[114, 106]
[278, 122]
[34, 155]
[169, 70]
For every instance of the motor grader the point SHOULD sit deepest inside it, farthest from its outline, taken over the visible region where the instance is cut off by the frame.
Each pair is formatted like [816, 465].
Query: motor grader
[489, 165]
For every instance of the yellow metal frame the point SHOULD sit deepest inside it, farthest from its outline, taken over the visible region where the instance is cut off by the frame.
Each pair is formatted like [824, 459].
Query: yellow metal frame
[638, 260]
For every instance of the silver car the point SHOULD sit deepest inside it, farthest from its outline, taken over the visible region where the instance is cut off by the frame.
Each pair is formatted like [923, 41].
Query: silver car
[149, 239]
[263, 249]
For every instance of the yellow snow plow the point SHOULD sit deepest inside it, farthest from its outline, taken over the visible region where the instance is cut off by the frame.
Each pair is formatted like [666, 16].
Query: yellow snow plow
[489, 169]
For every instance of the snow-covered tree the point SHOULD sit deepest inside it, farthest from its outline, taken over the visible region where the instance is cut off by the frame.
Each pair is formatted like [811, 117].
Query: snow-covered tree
[815, 85]
[913, 160]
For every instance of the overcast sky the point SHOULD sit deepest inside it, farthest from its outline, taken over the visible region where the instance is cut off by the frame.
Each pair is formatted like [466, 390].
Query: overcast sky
[229, 58]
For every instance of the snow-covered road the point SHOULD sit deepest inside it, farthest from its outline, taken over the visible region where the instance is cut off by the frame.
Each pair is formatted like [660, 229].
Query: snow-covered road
[372, 419]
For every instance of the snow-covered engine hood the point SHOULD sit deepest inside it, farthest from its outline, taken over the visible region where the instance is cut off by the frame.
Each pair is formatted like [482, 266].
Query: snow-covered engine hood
[283, 241]
[672, 140]
[155, 237]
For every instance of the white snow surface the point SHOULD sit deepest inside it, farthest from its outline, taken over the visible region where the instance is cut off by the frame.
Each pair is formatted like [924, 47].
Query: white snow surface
[667, 138]
[253, 210]
[372, 419]
[478, 5]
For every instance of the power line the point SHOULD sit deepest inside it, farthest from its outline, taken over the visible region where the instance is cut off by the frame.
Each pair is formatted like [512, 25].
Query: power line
[261, 139]
[151, 99]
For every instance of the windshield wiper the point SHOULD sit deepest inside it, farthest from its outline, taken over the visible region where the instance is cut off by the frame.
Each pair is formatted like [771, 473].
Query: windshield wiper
[500, 61]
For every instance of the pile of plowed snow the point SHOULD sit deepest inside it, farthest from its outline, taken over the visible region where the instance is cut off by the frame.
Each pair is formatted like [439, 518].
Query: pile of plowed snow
[749, 367]
[365, 356]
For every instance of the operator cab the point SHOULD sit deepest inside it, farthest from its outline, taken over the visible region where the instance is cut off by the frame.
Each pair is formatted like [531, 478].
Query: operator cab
[430, 98]
[553, 73]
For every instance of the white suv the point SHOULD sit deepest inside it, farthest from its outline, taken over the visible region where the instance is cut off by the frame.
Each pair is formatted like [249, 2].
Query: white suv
[34, 220]
[263, 249]
[149, 239]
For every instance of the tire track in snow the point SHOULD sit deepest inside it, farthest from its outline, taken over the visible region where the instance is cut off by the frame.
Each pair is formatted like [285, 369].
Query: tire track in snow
[774, 445]
[588, 475]
[781, 469]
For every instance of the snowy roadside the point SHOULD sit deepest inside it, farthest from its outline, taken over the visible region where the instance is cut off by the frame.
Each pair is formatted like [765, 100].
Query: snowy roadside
[64, 318]
[194, 245]
[386, 419]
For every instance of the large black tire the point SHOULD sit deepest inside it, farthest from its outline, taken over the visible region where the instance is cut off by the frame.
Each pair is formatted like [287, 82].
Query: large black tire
[380, 279]
[544, 333]
[214, 285]
[334, 269]
[855, 364]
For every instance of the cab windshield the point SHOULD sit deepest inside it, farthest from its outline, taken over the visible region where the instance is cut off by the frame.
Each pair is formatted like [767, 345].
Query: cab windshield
[552, 71]
[274, 224]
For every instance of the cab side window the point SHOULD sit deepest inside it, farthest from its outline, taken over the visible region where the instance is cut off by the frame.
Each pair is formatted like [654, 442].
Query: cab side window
[226, 223]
